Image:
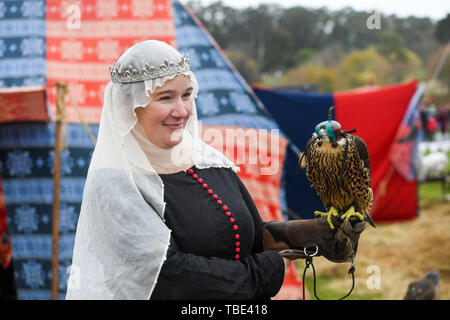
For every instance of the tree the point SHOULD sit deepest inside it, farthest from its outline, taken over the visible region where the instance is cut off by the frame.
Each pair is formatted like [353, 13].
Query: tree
[306, 26]
[392, 46]
[279, 47]
[324, 78]
[246, 66]
[350, 29]
[362, 67]
[443, 30]
[303, 55]
[410, 68]
[417, 32]
[331, 55]
[221, 21]
[404, 63]
[274, 36]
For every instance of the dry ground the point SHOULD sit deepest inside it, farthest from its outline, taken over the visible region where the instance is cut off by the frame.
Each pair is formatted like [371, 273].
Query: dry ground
[403, 252]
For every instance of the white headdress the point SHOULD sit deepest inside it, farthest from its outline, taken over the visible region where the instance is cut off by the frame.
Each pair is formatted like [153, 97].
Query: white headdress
[121, 239]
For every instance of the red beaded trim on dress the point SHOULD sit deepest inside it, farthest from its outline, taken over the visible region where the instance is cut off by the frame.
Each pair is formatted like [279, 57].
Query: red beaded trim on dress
[225, 209]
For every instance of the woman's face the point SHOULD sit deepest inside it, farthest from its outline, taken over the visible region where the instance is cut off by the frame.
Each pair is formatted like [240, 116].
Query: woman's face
[166, 116]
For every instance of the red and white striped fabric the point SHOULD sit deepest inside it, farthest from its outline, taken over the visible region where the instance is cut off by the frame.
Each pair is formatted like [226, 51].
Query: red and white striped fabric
[85, 36]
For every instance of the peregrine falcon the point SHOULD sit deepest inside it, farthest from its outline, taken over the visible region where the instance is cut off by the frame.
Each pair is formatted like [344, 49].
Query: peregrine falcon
[338, 167]
[426, 288]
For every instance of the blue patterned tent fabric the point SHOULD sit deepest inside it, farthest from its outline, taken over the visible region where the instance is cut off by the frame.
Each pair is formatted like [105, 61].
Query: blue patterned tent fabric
[26, 163]
[22, 43]
[25, 150]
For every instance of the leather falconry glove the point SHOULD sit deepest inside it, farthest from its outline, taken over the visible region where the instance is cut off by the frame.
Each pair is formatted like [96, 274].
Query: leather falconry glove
[290, 238]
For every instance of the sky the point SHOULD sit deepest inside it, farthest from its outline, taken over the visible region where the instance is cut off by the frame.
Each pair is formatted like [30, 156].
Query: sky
[435, 9]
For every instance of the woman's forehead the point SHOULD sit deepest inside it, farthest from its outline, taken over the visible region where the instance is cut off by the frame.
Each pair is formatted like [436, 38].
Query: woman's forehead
[179, 83]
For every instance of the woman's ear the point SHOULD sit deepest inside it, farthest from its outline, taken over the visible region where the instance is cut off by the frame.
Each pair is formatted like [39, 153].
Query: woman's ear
[138, 112]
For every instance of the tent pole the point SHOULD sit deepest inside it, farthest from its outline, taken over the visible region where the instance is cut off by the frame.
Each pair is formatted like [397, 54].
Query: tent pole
[438, 68]
[61, 91]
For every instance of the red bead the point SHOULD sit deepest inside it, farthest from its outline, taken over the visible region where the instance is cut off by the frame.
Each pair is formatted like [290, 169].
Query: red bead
[190, 171]
[228, 213]
[237, 250]
[237, 244]
[219, 202]
[235, 227]
[232, 220]
[195, 176]
[215, 196]
[225, 208]
[210, 191]
[236, 236]
[205, 185]
[200, 180]
[236, 257]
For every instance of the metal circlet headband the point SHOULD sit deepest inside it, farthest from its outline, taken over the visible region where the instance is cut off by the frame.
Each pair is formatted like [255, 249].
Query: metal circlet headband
[130, 74]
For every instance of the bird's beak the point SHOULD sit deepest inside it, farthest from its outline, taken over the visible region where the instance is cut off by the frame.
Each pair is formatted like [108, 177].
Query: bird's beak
[321, 134]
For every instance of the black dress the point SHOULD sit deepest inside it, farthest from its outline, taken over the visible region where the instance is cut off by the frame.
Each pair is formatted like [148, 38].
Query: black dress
[216, 246]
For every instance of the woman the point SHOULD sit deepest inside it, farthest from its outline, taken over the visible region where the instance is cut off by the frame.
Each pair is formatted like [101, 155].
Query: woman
[164, 215]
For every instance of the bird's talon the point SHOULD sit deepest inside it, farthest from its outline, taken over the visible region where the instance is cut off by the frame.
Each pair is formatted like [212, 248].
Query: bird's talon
[350, 213]
[332, 212]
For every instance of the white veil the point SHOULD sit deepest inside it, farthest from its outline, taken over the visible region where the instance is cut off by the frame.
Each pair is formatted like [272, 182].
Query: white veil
[121, 239]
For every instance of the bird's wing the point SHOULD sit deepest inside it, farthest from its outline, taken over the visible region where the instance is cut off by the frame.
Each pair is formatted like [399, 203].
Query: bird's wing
[362, 152]
[308, 144]
[307, 147]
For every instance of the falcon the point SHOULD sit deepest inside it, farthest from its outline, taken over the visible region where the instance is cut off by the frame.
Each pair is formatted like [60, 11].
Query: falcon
[426, 288]
[338, 168]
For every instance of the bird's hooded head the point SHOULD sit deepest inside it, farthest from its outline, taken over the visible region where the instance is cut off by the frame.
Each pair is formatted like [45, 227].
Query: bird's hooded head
[329, 132]
[434, 276]
[328, 138]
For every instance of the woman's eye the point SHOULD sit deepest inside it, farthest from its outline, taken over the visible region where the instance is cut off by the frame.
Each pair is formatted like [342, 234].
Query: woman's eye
[164, 98]
[186, 95]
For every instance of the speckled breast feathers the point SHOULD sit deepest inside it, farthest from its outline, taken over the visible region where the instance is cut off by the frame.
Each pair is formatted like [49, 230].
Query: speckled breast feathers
[324, 166]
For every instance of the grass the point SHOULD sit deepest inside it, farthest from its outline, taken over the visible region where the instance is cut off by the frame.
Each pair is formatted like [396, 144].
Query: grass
[430, 192]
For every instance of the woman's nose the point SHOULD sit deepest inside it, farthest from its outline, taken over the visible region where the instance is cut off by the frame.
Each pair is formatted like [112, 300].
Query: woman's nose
[180, 109]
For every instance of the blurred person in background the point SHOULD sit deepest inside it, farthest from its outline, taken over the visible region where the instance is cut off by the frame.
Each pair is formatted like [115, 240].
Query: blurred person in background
[443, 119]
[428, 118]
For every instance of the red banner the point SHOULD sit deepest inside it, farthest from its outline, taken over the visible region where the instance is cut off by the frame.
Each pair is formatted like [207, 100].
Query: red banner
[377, 115]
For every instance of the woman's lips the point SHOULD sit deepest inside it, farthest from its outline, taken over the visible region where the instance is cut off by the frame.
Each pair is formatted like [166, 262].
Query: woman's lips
[174, 125]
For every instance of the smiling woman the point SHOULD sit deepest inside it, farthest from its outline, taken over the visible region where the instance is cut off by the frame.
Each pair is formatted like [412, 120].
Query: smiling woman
[164, 215]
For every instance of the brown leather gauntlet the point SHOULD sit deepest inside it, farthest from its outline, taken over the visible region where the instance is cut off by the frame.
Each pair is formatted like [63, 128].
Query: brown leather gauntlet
[291, 237]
